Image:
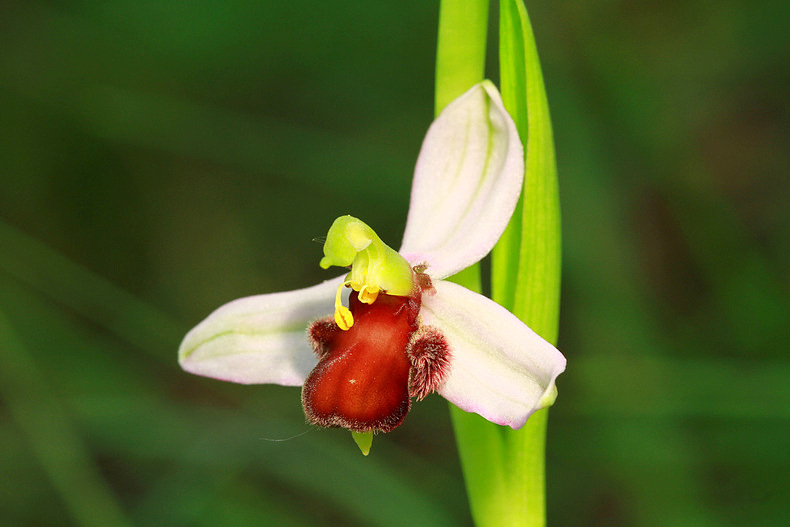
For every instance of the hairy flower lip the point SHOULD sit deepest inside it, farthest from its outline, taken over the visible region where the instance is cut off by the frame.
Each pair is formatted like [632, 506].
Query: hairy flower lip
[471, 161]
[361, 381]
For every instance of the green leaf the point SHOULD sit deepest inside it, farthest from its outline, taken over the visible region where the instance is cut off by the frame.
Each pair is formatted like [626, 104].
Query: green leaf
[526, 262]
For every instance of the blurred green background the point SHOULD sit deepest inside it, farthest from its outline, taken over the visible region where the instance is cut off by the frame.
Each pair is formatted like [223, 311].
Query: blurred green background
[158, 159]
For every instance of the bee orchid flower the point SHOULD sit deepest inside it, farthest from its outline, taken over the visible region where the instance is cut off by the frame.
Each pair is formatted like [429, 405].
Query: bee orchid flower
[364, 344]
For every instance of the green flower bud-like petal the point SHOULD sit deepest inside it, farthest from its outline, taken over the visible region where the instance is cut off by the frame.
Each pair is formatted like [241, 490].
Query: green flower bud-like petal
[364, 441]
[375, 267]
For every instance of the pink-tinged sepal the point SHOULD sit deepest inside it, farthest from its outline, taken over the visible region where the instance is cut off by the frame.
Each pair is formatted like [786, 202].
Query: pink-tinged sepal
[258, 339]
[501, 369]
[466, 183]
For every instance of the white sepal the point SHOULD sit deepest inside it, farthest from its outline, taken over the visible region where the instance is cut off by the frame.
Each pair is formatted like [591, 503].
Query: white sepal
[466, 183]
[500, 368]
[259, 339]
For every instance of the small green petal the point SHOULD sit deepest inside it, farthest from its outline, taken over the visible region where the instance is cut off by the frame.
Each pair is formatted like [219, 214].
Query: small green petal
[364, 441]
[374, 265]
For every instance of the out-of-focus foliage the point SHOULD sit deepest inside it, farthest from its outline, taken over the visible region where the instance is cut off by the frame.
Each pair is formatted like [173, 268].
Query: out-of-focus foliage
[160, 158]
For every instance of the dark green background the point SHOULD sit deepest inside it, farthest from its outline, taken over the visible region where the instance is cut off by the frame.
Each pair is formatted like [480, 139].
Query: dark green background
[158, 159]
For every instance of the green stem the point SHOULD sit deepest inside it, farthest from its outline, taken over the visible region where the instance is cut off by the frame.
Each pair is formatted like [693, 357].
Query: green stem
[460, 63]
[504, 469]
[461, 48]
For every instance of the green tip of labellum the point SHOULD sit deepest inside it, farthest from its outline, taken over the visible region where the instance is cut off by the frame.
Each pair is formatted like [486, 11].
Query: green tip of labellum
[548, 398]
[364, 440]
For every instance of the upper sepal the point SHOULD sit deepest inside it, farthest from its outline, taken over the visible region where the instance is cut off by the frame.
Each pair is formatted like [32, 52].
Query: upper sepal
[466, 185]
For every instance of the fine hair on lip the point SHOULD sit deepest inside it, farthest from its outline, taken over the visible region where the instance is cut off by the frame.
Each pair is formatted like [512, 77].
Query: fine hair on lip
[287, 438]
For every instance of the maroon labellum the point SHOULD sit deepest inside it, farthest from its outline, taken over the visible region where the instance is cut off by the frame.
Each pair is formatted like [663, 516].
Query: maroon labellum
[366, 375]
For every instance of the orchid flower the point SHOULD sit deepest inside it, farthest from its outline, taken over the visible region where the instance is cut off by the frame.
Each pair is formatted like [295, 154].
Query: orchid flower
[407, 331]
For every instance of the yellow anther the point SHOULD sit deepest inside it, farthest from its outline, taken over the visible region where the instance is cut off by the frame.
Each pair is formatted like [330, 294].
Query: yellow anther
[343, 317]
[368, 294]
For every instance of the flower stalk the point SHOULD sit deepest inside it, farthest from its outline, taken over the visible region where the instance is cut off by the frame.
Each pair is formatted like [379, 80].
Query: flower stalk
[505, 469]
